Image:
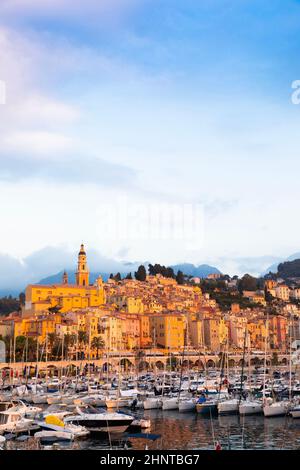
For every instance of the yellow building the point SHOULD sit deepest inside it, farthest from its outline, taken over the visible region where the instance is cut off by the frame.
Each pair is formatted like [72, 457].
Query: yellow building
[38, 327]
[145, 336]
[65, 297]
[212, 334]
[257, 332]
[196, 333]
[168, 330]
[128, 304]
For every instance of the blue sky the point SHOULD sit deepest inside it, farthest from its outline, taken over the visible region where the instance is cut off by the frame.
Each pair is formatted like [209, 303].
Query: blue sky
[155, 102]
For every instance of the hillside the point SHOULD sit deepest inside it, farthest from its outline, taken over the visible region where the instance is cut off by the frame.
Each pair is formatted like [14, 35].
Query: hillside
[203, 270]
[289, 269]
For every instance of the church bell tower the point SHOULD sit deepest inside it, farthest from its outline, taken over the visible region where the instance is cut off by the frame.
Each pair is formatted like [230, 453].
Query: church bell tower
[82, 274]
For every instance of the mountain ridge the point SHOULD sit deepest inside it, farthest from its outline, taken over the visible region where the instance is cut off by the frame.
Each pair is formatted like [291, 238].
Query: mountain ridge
[189, 269]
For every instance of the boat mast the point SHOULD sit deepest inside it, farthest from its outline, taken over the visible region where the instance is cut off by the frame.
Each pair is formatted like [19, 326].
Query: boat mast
[265, 359]
[290, 363]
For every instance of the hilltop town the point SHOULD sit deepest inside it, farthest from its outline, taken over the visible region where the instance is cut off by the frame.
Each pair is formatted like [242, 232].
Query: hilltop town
[159, 310]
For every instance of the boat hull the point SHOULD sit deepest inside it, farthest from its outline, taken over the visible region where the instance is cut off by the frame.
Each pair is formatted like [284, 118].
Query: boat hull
[228, 407]
[186, 406]
[207, 408]
[250, 409]
[271, 410]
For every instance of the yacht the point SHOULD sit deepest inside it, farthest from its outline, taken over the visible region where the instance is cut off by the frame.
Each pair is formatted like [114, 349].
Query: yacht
[275, 408]
[230, 406]
[55, 423]
[97, 421]
[93, 400]
[26, 410]
[207, 406]
[250, 407]
[170, 403]
[13, 422]
[152, 403]
[188, 404]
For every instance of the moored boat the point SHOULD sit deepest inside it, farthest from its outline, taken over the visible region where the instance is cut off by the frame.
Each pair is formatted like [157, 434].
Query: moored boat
[250, 407]
[105, 422]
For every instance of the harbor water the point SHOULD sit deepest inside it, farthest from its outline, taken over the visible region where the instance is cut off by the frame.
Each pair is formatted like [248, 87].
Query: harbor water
[184, 431]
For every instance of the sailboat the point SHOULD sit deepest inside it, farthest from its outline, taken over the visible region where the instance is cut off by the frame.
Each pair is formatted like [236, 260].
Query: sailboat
[250, 406]
[231, 405]
[271, 407]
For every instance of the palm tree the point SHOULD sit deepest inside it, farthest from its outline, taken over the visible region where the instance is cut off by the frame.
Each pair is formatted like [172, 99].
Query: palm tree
[69, 341]
[82, 339]
[98, 343]
[53, 342]
[20, 347]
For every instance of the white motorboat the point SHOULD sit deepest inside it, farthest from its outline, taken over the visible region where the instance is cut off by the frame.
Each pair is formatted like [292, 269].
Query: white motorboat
[54, 423]
[13, 421]
[229, 406]
[106, 422]
[26, 410]
[250, 407]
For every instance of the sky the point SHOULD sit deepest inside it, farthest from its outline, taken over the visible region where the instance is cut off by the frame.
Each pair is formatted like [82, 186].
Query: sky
[118, 114]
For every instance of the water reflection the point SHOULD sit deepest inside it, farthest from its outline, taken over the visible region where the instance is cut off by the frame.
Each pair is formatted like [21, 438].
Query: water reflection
[191, 431]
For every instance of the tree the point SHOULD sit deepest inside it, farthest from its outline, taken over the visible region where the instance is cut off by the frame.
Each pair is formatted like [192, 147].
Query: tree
[117, 277]
[129, 276]
[82, 339]
[51, 339]
[21, 299]
[274, 359]
[69, 341]
[159, 269]
[151, 270]
[180, 277]
[268, 296]
[20, 347]
[141, 274]
[172, 362]
[98, 343]
[170, 273]
[8, 305]
[247, 283]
